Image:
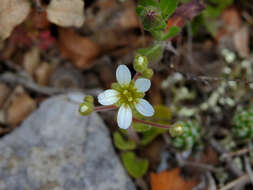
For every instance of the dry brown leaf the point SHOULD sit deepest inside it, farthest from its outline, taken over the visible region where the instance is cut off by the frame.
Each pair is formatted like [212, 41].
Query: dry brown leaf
[4, 92]
[241, 41]
[19, 107]
[66, 13]
[12, 13]
[81, 50]
[171, 180]
[42, 73]
[231, 19]
[32, 60]
[39, 19]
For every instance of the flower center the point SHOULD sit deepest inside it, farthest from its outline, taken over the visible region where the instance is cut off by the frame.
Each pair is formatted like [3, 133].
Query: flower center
[128, 94]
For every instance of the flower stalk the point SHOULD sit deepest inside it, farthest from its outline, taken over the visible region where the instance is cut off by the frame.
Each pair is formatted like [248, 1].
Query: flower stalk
[104, 108]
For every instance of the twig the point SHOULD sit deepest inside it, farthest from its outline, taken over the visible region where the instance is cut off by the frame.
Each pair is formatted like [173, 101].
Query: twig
[204, 167]
[236, 153]
[12, 78]
[230, 163]
[248, 168]
[189, 44]
[211, 181]
[239, 181]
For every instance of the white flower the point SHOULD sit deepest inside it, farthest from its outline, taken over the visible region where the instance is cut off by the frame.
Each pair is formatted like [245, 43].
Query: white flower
[128, 95]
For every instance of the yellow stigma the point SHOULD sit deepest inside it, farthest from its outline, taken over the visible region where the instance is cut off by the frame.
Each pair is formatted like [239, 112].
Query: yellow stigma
[125, 92]
[130, 99]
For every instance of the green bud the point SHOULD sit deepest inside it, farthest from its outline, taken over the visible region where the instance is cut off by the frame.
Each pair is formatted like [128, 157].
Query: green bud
[185, 135]
[177, 130]
[86, 108]
[151, 18]
[148, 73]
[140, 63]
[89, 99]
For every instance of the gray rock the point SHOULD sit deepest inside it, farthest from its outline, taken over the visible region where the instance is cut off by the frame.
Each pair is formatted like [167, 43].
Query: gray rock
[57, 149]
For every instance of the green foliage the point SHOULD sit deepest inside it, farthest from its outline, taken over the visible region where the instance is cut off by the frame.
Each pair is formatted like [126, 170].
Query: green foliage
[190, 137]
[243, 124]
[168, 7]
[173, 31]
[154, 15]
[122, 144]
[150, 135]
[136, 167]
[153, 53]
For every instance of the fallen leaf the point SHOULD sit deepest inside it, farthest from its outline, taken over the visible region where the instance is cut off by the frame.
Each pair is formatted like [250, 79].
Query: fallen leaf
[12, 13]
[4, 92]
[43, 73]
[39, 19]
[20, 105]
[31, 60]
[66, 13]
[241, 41]
[110, 14]
[66, 77]
[231, 19]
[81, 50]
[185, 12]
[171, 180]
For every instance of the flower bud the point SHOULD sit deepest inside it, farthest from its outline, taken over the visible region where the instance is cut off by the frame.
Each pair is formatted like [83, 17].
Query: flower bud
[86, 108]
[177, 130]
[89, 99]
[190, 136]
[151, 18]
[148, 73]
[140, 63]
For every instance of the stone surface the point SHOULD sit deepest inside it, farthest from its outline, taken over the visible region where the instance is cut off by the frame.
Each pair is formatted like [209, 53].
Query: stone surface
[57, 149]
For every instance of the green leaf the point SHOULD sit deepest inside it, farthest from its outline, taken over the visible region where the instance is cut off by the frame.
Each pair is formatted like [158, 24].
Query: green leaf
[168, 7]
[139, 9]
[136, 167]
[146, 3]
[149, 136]
[140, 127]
[153, 53]
[121, 144]
[162, 114]
[173, 31]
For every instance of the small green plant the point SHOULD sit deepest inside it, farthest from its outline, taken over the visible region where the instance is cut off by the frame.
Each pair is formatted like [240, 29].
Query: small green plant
[243, 124]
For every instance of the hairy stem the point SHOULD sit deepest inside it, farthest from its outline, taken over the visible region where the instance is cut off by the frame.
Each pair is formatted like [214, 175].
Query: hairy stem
[105, 108]
[136, 76]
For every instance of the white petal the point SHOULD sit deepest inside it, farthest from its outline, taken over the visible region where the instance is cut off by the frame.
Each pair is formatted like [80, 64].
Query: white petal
[142, 84]
[124, 117]
[108, 97]
[123, 75]
[144, 107]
